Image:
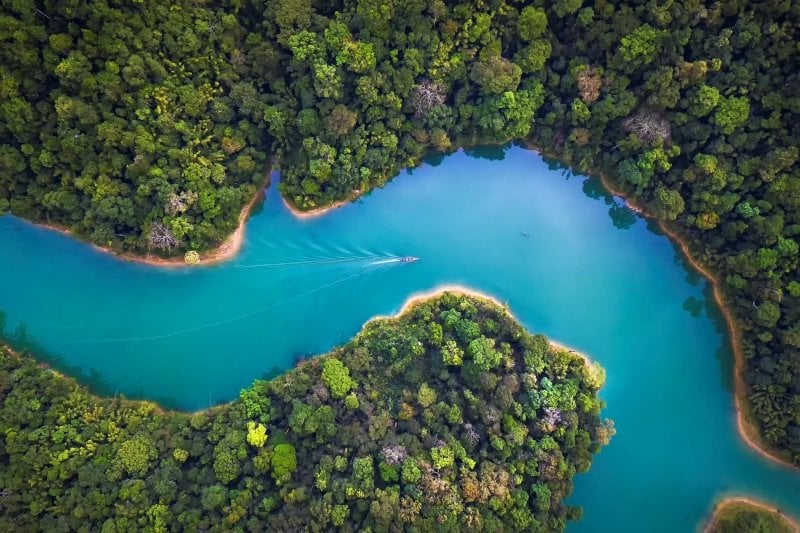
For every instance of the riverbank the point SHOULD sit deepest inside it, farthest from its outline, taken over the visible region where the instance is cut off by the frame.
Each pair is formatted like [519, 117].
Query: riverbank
[745, 423]
[331, 400]
[729, 505]
[156, 407]
[225, 251]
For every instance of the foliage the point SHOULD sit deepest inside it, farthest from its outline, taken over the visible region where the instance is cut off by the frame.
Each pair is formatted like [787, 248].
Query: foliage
[284, 462]
[77, 462]
[135, 454]
[640, 47]
[256, 434]
[337, 377]
[191, 257]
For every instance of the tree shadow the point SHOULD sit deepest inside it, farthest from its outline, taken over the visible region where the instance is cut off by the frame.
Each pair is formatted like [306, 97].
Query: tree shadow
[621, 216]
[487, 152]
[23, 342]
[693, 306]
[593, 188]
[724, 353]
[433, 159]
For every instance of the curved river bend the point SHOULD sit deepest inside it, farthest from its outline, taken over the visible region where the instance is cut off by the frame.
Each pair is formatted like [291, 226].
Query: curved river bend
[571, 261]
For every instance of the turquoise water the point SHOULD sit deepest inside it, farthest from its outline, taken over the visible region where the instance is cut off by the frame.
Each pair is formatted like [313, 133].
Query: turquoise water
[571, 261]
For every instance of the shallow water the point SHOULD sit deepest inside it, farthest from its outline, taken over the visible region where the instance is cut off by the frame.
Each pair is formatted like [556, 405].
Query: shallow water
[571, 261]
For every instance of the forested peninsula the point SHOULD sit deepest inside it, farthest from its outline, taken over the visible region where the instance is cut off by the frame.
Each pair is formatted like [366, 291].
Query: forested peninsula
[448, 417]
[741, 515]
[147, 127]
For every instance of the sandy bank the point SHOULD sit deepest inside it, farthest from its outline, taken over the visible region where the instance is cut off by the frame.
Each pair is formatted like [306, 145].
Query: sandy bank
[318, 212]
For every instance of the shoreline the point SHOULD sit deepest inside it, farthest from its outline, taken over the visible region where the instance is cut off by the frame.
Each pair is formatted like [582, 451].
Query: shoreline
[418, 298]
[408, 305]
[319, 211]
[413, 164]
[225, 251]
[733, 500]
[746, 427]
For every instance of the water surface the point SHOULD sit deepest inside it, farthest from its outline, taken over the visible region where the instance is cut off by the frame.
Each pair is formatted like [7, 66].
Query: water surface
[571, 261]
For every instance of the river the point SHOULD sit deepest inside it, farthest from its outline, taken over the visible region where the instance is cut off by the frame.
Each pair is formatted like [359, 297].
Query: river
[571, 261]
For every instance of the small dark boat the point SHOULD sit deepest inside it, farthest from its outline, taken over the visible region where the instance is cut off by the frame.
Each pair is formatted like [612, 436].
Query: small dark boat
[409, 259]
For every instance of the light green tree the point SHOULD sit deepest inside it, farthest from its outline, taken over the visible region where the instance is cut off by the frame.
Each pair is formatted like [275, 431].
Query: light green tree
[336, 377]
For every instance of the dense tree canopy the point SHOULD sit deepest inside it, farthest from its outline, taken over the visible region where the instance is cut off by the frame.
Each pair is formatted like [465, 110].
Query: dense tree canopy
[120, 123]
[389, 431]
[147, 127]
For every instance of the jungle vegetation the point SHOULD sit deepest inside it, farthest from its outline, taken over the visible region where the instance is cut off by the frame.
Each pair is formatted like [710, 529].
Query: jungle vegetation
[146, 127]
[450, 417]
[742, 517]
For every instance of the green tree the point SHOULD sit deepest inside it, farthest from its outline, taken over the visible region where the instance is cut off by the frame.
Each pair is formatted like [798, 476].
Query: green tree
[256, 434]
[337, 377]
[563, 8]
[703, 100]
[668, 204]
[496, 75]
[284, 463]
[426, 396]
[732, 113]
[136, 454]
[532, 23]
[452, 354]
[767, 315]
[483, 353]
[641, 46]
[226, 467]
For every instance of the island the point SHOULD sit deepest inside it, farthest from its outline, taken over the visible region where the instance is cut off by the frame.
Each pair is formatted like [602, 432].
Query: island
[449, 416]
[744, 515]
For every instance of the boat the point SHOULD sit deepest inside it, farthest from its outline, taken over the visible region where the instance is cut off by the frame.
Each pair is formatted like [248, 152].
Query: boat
[409, 259]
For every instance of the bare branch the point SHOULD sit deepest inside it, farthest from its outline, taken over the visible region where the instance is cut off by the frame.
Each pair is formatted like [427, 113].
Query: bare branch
[162, 238]
[426, 96]
[553, 416]
[394, 455]
[648, 125]
[471, 435]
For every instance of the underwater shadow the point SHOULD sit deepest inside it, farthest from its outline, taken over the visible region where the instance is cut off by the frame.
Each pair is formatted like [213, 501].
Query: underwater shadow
[622, 216]
[23, 342]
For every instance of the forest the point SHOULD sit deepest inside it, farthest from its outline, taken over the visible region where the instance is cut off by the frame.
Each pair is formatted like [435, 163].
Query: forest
[450, 417]
[145, 127]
